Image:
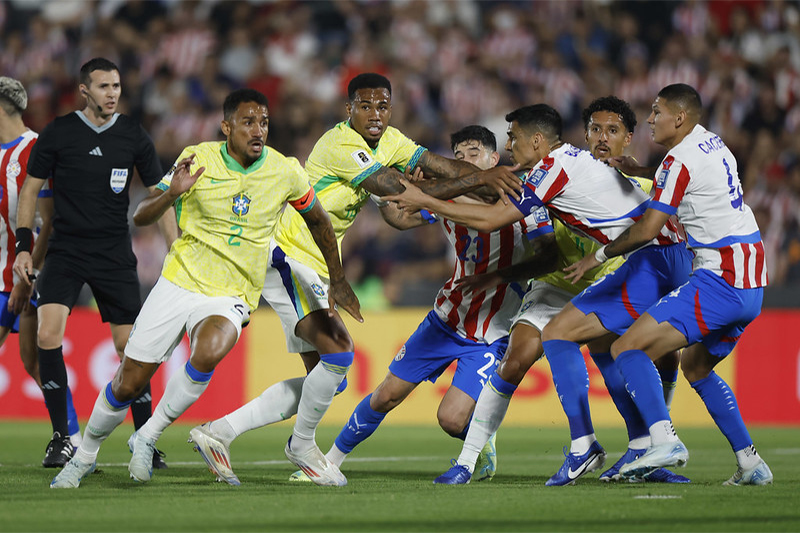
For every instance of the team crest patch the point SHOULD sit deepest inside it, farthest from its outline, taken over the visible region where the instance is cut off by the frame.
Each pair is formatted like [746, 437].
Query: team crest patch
[13, 169]
[317, 289]
[241, 204]
[662, 178]
[401, 353]
[541, 216]
[362, 158]
[119, 178]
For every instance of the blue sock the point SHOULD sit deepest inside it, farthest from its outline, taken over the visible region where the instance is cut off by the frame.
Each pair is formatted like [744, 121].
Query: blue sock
[615, 384]
[112, 400]
[362, 423]
[72, 416]
[668, 376]
[643, 385]
[721, 404]
[572, 384]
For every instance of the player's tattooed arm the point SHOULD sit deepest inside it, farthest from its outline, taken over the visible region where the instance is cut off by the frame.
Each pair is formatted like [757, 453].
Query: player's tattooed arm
[340, 293]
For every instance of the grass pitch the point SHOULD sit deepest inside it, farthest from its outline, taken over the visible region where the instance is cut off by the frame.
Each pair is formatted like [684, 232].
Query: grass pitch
[390, 487]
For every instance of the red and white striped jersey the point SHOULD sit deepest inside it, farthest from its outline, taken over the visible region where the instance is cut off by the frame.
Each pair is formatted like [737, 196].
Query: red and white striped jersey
[587, 195]
[13, 165]
[486, 316]
[699, 181]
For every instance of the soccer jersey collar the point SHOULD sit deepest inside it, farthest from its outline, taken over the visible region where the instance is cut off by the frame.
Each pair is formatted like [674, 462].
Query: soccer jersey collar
[373, 150]
[234, 165]
[98, 129]
[12, 143]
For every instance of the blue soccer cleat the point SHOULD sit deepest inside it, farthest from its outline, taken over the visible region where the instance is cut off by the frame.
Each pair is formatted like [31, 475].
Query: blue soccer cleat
[576, 466]
[612, 474]
[457, 475]
[662, 475]
[657, 456]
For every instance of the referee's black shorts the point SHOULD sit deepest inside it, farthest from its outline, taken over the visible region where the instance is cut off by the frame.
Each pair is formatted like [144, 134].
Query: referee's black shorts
[109, 269]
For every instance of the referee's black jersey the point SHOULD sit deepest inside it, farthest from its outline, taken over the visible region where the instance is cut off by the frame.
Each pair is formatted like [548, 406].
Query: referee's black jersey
[92, 168]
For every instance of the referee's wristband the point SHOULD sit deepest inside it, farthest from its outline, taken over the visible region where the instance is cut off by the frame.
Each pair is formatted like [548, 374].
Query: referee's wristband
[24, 238]
[600, 255]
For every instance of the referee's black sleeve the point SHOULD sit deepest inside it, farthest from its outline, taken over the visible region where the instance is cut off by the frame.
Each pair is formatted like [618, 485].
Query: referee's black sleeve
[43, 154]
[147, 162]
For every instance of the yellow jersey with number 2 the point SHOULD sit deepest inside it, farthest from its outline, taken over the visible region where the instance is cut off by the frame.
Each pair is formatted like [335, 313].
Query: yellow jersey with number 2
[227, 219]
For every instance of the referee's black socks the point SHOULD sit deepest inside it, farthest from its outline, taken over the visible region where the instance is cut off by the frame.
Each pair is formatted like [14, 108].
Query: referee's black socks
[53, 374]
[142, 408]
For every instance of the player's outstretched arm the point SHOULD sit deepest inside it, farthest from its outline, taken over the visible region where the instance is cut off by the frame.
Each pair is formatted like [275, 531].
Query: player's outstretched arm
[151, 208]
[26, 211]
[340, 293]
[480, 217]
[543, 261]
[491, 184]
[634, 237]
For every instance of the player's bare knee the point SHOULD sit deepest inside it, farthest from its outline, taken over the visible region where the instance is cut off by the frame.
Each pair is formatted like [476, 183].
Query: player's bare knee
[48, 339]
[384, 400]
[694, 369]
[512, 371]
[451, 424]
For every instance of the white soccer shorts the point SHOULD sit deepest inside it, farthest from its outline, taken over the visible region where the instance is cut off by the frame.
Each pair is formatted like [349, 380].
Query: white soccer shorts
[541, 304]
[169, 311]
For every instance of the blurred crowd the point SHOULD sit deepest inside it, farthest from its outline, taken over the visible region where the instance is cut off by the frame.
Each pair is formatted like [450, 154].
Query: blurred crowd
[451, 63]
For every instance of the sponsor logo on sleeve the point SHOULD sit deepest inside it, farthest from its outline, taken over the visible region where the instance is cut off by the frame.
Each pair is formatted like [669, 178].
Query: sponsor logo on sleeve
[362, 158]
[536, 177]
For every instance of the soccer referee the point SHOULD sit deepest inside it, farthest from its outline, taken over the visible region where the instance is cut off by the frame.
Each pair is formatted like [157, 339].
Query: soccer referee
[90, 155]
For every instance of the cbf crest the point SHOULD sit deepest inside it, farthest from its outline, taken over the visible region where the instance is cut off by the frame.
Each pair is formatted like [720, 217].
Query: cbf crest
[241, 204]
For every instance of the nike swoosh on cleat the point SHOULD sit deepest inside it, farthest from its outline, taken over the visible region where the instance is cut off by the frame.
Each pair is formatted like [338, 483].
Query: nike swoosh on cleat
[577, 473]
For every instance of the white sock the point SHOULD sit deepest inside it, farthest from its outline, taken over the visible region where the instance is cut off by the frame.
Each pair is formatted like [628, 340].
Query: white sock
[669, 392]
[640, 443]
[180, 393]
[748, 457]
[102, 422]
[318, 390]
[336, 456]
[278, 402]
[486, 419]
[662, 432]
[581, 445]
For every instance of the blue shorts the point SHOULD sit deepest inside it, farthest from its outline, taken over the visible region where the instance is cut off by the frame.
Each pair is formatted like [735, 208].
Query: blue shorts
[433, 346]
[708, 310]
[7, 318]
[622, 296]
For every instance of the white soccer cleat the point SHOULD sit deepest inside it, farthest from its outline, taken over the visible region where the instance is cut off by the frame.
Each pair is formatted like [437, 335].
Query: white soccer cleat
[214, 453]
[71, 475]
[316, 466]
[758, 475]
[657, 456]
[141, 465]
[486, 465]
[299, 477]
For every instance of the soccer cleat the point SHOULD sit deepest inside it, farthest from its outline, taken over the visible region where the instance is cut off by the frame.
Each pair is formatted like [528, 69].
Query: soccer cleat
[214, 453]
[59, 451]
[576, 466]
[316, 466]
[300, 477]
[662, 475]
[457, 475]
[72, 474]
[486, 465]
[141, 465]
[158, 460]
[661, 455]
[612, 474]
[759, 475]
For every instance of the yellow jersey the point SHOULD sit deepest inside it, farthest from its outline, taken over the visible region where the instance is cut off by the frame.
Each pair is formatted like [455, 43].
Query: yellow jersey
[227, 219]
[573, 247]
[339, 162]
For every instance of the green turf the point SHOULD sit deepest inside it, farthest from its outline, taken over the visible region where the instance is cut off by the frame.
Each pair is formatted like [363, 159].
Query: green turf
[390, 487]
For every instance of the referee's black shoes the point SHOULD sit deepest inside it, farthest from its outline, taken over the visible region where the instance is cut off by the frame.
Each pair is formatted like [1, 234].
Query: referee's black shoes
[158, 459]
[59, 451]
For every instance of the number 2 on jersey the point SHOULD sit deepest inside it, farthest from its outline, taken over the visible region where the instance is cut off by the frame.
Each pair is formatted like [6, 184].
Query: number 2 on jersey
[233, 239]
